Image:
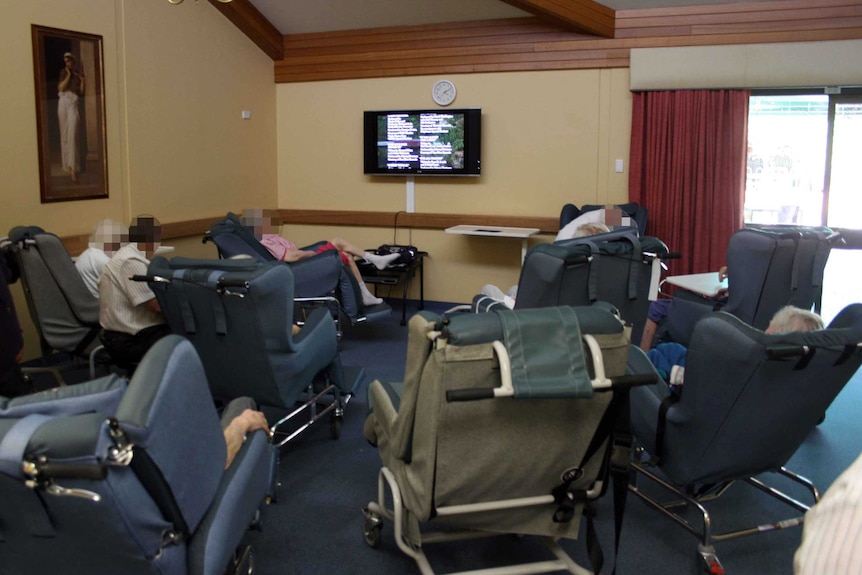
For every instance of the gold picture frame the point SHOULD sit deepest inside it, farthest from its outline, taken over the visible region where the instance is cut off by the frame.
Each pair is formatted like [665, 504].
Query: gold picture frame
[68, 68]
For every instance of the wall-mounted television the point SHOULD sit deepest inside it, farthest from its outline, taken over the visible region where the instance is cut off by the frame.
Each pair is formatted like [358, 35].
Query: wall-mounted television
[437, 142]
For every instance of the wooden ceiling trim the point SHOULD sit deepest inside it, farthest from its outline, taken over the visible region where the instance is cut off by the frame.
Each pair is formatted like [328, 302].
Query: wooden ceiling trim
[436, 43]
[523, 44]
[442, 59]
[737, 20]
[253, 24]
[418, 34]
[324, 75]
[579, 15]
[727, 9]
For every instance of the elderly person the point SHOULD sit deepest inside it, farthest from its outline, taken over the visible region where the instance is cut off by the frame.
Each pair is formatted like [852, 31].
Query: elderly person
[107, 238]
[261, 224]
[128, 311]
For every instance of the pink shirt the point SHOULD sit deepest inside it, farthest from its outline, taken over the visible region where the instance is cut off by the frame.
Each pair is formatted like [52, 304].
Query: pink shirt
[277, 245]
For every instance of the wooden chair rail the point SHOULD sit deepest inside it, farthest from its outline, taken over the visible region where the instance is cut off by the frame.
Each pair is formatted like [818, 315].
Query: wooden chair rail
[189, 228]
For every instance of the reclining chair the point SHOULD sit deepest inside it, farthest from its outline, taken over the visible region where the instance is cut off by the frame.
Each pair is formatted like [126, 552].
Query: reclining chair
[319, 280]
[813, 246]
[481, 392]
[616, 267]
[761, 275]
[748, 402]
[637, 213]
[237, 315]
[115, 479]
[65, 313]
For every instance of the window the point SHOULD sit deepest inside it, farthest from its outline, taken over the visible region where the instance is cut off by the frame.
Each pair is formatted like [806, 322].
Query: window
[802, 159]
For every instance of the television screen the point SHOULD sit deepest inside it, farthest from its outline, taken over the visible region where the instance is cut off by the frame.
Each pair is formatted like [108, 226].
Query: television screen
[423, 142]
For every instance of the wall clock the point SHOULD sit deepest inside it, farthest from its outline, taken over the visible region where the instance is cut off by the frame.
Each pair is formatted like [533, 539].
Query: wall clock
[444, 92]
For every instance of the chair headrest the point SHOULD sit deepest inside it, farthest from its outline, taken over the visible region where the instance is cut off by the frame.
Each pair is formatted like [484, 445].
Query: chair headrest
[476, 328]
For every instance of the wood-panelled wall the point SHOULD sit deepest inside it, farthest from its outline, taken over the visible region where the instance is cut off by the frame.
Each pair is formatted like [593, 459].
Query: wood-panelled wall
[524, 44]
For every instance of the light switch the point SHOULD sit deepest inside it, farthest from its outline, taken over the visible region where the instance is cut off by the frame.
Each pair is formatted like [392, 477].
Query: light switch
[246, 114]
[618, 166]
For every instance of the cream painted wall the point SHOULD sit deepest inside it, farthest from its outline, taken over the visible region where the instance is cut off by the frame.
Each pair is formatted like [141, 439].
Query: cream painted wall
[176, 81]
[548, 138]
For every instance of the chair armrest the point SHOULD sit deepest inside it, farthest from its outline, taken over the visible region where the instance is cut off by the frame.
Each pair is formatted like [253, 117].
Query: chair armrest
[241, 492]
[384, 414]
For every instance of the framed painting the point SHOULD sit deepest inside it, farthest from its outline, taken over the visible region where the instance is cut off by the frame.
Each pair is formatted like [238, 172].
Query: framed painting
[70, 114]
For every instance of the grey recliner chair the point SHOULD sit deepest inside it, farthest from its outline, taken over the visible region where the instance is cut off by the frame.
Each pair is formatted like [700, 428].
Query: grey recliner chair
[458, 441]
[109, 477]
[619, 268]
[237, 314]
[317, 280]
[748, 402]
[65, 313]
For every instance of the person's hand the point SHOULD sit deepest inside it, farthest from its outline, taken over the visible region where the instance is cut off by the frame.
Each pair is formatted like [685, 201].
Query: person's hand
[722, 273]
[250, 420]
[19, 357]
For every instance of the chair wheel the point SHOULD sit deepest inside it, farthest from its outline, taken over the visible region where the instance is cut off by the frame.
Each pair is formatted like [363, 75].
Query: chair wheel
[335, 427]
[242, 562]
[372, 534]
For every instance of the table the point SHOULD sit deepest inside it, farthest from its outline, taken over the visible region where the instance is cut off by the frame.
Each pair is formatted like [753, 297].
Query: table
[706, 284]
[497, 231]
[392, 275]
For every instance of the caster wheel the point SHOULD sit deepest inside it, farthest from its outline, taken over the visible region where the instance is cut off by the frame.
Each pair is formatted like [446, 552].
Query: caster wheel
[335, 427]
[372, 535]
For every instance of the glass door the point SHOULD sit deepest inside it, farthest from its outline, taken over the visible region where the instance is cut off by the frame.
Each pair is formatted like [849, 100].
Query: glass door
[804, 168]
[843, 202]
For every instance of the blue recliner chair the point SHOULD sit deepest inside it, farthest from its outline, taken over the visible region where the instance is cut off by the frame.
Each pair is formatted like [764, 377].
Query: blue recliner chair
[103, 478]
[318, 280]
[238, 315]
[615, 267]
[813, 246]
[748, 402]
[767, 269]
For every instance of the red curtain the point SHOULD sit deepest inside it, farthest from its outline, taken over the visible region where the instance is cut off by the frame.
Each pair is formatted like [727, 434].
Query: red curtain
[688, 158]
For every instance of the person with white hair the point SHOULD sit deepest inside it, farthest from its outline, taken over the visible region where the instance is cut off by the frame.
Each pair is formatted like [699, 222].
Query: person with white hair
[669, 358]
[107, 237]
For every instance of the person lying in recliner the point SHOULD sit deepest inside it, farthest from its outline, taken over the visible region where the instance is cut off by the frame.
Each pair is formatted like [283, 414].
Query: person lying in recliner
[262, 222]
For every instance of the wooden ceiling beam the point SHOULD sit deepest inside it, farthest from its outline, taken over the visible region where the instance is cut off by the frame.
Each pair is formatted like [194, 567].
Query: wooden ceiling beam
[254, 25]
[578, 15]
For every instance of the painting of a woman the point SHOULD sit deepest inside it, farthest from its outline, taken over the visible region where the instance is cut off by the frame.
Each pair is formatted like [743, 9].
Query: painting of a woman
[71, 89]
[70, 114]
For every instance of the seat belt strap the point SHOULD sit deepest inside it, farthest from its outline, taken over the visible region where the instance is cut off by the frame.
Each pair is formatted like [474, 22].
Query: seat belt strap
[15, 442]
[183, 301]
